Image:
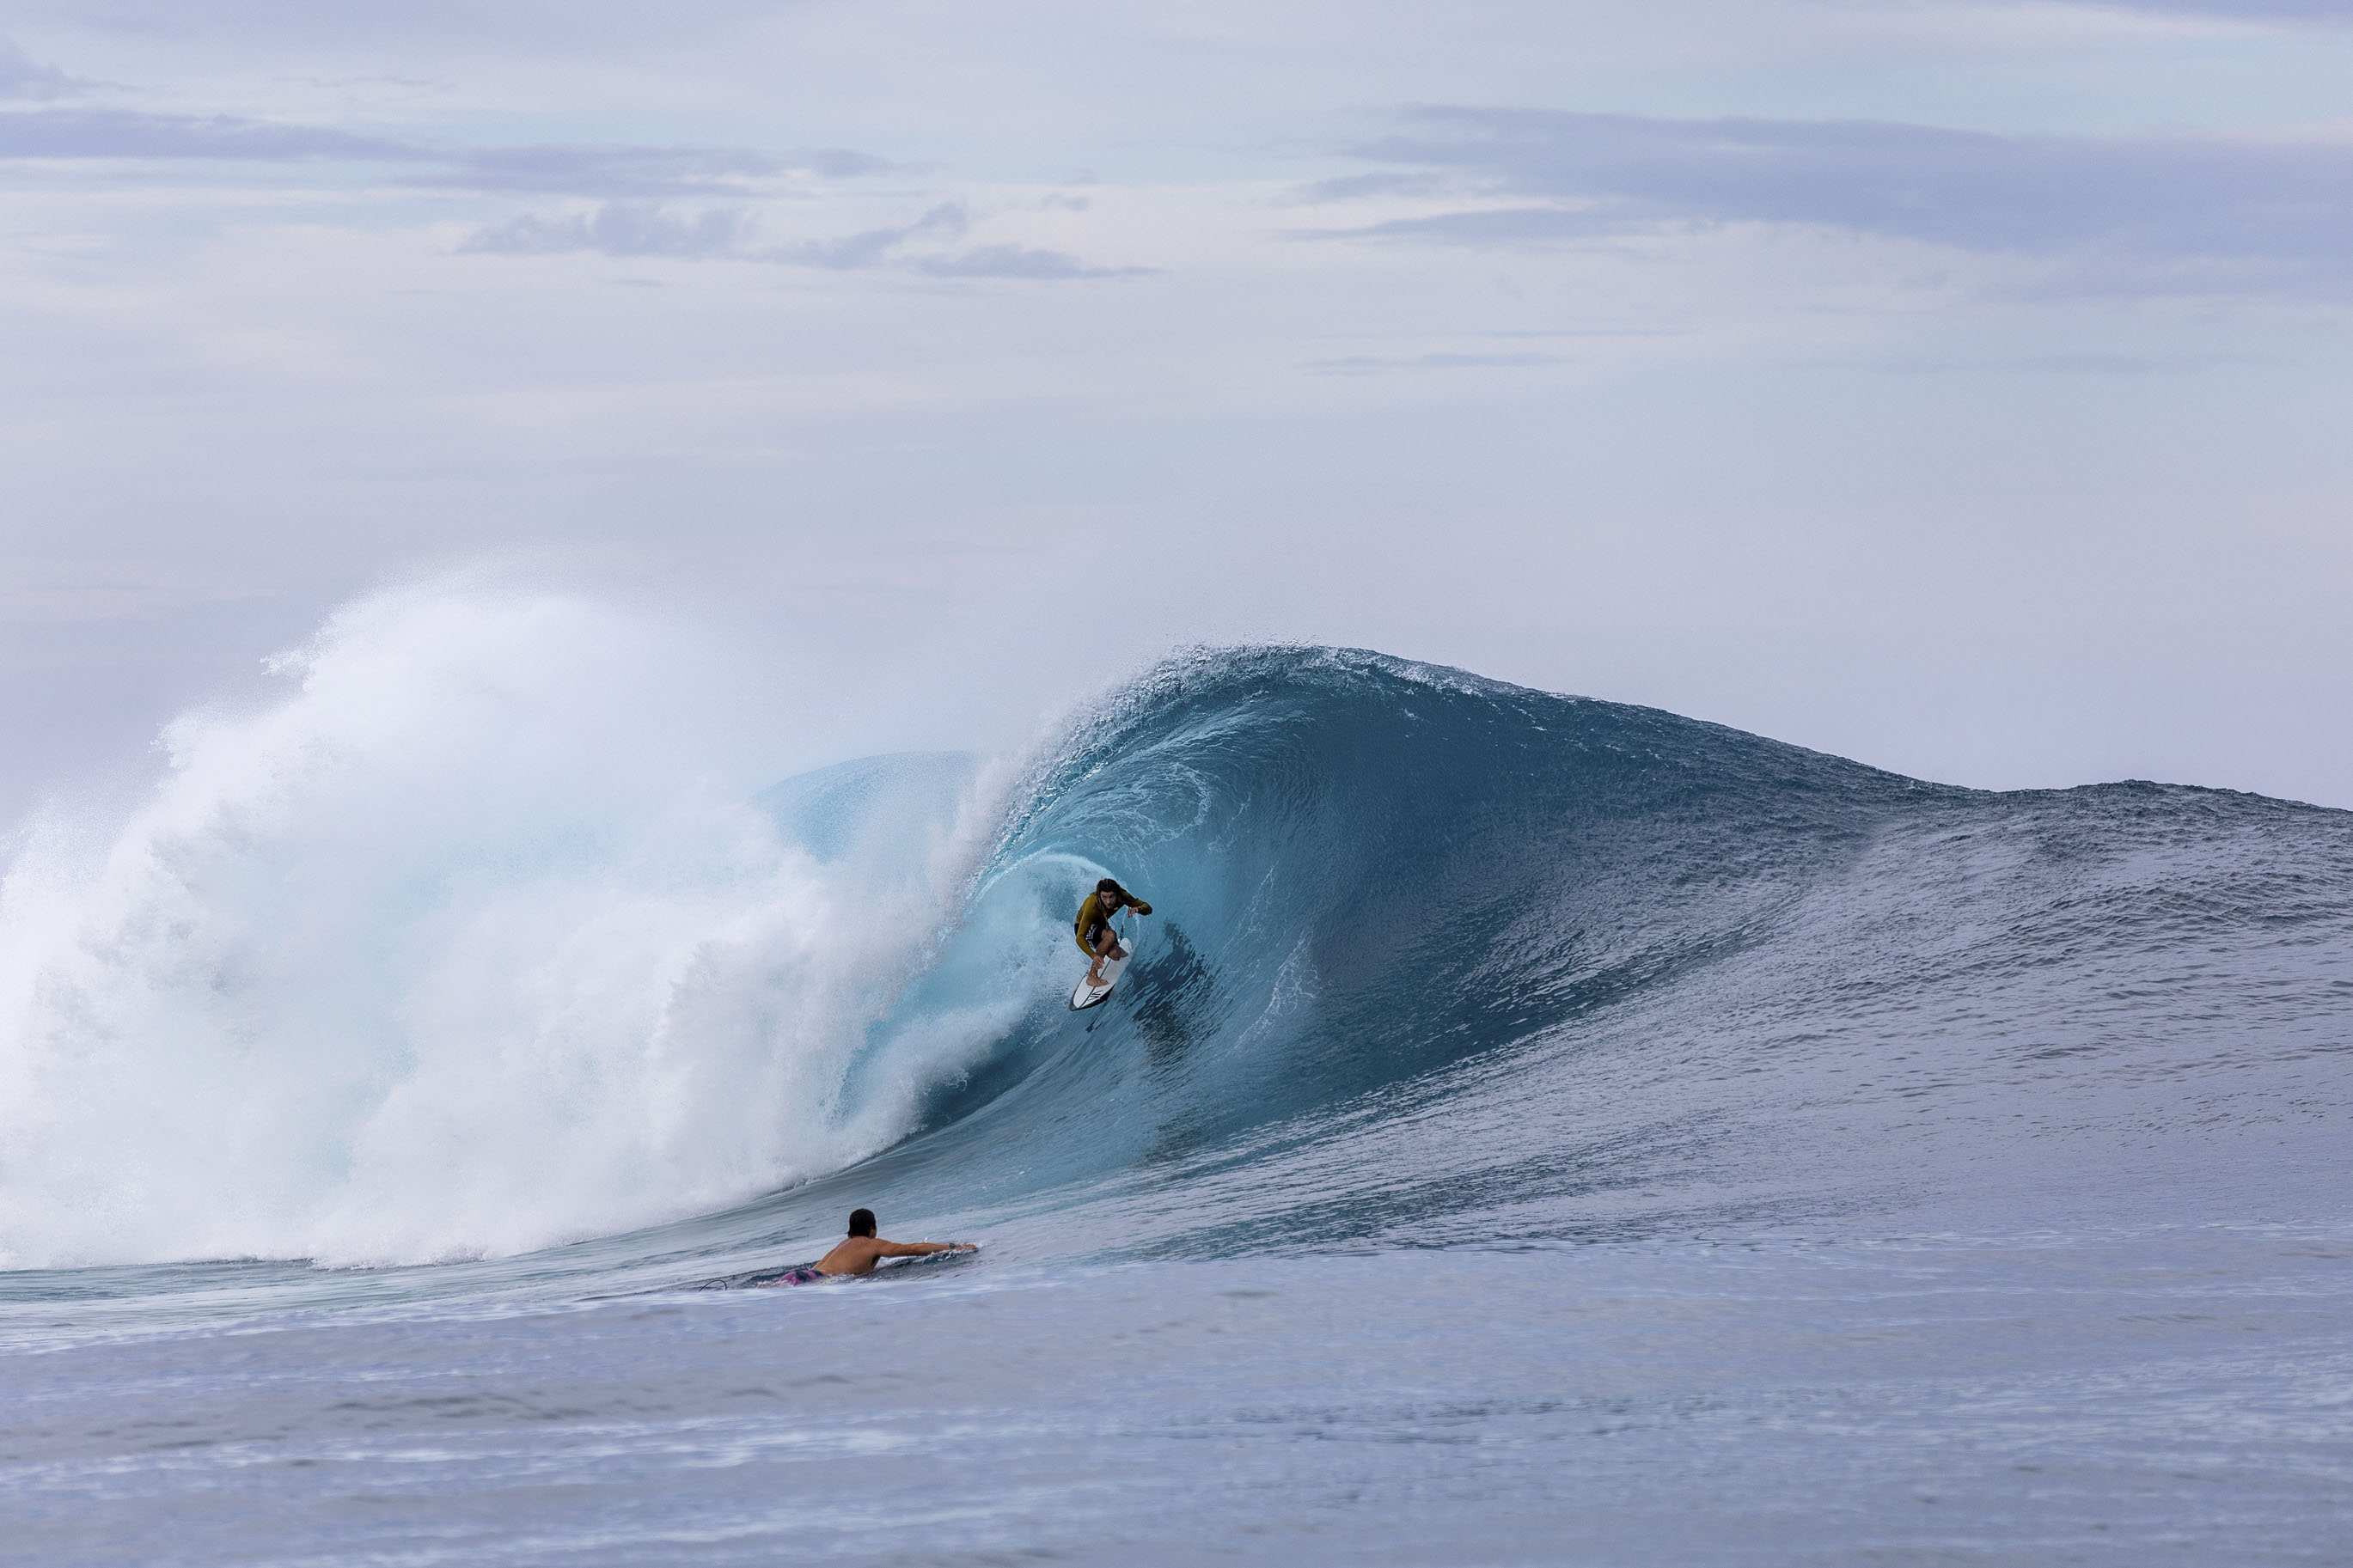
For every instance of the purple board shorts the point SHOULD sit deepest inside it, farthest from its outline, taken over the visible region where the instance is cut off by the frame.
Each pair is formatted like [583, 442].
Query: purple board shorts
[805, 1274]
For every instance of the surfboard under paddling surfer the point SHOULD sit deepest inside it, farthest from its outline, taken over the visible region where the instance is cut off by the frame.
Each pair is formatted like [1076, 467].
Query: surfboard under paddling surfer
[1096, 939]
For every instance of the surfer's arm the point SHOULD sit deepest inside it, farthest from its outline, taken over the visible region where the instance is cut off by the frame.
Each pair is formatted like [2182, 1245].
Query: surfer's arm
[921, 1248]
[1139, 906]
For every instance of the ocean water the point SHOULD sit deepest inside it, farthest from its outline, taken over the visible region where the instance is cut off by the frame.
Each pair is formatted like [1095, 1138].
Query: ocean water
[1532, 1130]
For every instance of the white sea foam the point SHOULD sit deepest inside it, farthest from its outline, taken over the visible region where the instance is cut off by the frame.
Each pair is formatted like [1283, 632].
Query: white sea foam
[460, 948]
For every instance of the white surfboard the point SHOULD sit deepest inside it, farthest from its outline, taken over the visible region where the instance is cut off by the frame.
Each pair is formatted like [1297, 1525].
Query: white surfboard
[1086, 996]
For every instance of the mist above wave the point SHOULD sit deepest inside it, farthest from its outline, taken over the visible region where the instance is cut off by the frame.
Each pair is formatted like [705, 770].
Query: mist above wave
[448, 951]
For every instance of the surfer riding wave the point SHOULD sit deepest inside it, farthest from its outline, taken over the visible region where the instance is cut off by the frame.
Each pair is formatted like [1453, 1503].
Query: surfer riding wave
[1094, 927]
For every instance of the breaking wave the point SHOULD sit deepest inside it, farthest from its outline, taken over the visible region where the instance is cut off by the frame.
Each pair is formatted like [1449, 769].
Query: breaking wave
[440, 958]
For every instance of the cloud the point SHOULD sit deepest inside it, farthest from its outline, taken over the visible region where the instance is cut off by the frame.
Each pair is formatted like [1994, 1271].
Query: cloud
[2100, 364]
[841, 163]
[20, 77]
[84, 134]
[2145, 214]
[637, 172]
[948, 221]
[872, 247]
[611, 172]
[1019, 261]
[618, 228]
[1508, 225]
[2323, 13]
[1375, 364]
[635, 229]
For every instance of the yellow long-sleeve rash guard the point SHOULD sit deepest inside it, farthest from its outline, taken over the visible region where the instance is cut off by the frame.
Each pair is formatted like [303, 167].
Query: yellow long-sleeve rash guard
[1090, 914]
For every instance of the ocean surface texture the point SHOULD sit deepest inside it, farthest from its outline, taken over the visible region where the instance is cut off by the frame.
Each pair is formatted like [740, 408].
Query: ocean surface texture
[1532, 1130]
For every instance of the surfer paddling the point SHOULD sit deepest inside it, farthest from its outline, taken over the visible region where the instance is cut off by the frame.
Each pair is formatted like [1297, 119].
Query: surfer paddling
[1096, 939]
[862, 1249]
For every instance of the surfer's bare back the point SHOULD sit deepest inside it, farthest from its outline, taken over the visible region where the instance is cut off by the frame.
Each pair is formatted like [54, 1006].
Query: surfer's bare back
[862, 1249]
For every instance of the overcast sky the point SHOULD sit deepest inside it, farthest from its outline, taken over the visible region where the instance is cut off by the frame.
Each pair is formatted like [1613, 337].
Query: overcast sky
[1958, 385]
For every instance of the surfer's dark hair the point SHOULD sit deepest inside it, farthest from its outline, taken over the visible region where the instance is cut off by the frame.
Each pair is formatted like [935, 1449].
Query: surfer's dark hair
[861, 1222]
[1108, 886]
